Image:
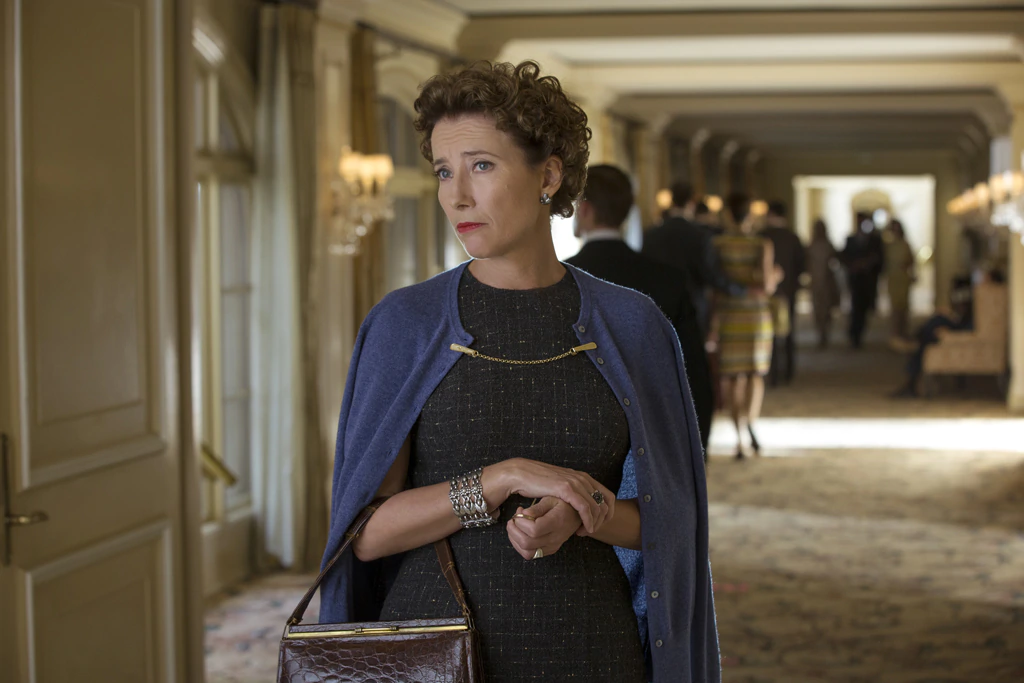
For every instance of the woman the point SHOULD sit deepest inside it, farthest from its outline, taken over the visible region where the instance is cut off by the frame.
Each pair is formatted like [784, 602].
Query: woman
[745, 322]
[821, 255]
[899, 271]
[519, 378]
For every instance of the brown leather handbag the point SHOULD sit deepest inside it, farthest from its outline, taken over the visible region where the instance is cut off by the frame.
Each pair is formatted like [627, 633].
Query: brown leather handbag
[417, 651]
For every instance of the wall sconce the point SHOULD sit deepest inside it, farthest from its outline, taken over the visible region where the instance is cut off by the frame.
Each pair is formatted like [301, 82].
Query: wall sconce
[1000, 202]
[359, 198]
[759, 208]
[663, 199]
[713, 202]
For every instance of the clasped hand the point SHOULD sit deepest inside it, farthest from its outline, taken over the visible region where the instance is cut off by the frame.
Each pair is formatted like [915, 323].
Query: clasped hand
[544, 526]
[567, 506]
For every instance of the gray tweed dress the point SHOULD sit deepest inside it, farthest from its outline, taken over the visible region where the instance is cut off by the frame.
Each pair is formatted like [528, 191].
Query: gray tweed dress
[567, 616]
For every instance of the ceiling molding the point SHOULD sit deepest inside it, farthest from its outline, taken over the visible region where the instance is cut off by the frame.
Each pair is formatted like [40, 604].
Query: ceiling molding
[521, 7]
[343, 12]
[803, 78]
[485, 37]
[780, 48]
[423, 21]
[988, 106]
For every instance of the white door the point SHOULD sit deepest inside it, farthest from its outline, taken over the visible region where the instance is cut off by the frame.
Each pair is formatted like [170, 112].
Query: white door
[89, 395]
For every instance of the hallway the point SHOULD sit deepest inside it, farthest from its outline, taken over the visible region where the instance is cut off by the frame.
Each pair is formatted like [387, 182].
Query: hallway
[851, 561]
[836, 558]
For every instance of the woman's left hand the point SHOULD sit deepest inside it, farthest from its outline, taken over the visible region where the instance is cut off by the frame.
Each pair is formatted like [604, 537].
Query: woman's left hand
[544, 526]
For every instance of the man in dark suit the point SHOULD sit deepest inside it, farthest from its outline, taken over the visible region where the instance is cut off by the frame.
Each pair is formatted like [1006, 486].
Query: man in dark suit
[864, 258]
[684, 244]
[791, 257]
[607, 200]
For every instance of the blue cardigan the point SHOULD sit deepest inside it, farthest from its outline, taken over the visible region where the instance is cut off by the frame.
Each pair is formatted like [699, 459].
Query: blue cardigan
[402, 354]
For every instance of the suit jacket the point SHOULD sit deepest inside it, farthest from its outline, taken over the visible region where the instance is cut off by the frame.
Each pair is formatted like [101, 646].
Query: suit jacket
[670, 289]
[690, 247]
[790, 255]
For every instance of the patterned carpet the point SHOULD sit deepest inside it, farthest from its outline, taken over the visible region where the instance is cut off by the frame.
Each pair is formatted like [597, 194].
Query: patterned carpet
[878, 541]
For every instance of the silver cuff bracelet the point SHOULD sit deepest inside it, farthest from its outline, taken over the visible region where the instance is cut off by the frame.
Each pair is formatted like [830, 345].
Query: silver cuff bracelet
[467, 497]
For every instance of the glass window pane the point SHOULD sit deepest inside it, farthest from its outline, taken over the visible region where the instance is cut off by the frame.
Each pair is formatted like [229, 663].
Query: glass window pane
[235, 344]
[397, 135]
[401, 238]
[227, 135]
[206, 499]
[199, 107]
[236, 451]
[386, 142]
[235, 231]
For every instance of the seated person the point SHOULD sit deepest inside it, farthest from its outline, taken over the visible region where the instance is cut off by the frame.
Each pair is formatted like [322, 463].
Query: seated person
[960, 316]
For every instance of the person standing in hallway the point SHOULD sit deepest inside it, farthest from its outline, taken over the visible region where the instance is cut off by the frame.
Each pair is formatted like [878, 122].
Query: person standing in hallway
[791, 257]
[899, 271]
[514, 377]
[863, 258]
[605, 204]
[821, 255]
[683, 244]
[745, 322]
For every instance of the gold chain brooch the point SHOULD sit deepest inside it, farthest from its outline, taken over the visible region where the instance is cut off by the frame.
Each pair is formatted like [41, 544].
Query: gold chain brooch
[476, 354]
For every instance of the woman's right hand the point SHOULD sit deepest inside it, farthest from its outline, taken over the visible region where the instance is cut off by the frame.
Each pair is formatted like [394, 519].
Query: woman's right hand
[534, 479]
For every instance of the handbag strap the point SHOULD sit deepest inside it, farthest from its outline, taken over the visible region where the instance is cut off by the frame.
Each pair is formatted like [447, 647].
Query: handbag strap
[444, 555]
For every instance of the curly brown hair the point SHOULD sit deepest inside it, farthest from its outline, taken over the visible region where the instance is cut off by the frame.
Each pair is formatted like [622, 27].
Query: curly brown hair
[531, 108]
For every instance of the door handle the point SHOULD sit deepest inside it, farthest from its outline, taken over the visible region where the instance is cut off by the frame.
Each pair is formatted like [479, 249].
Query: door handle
[25, 520]
[11, 519]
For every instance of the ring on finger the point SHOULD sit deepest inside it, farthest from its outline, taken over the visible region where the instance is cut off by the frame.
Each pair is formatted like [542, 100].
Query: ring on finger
[598, 497]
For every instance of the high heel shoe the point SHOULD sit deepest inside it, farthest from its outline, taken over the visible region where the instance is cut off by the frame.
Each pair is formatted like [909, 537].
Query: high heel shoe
[753, 441]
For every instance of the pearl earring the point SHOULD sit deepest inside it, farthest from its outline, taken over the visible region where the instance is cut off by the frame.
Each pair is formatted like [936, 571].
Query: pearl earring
[545, 199]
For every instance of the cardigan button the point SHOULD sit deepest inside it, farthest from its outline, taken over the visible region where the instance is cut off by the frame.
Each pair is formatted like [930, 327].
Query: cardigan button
[626, 401]
[582, 329]
[600, 361]
[655, 594]
[658, 643]
[640, 451]
[647, 499]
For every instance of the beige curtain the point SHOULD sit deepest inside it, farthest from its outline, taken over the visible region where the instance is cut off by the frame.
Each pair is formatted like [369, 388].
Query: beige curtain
[292, 507]
[369, 264]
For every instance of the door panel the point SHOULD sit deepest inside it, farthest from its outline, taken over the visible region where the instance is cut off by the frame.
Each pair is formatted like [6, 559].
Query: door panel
[89, 384]
[124, 617]
[87, 135]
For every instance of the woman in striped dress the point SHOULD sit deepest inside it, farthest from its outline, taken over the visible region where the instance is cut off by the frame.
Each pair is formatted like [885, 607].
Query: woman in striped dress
[745, 322]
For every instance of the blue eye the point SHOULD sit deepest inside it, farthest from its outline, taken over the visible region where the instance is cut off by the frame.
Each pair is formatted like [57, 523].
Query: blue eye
[483, 165]
[443, 174]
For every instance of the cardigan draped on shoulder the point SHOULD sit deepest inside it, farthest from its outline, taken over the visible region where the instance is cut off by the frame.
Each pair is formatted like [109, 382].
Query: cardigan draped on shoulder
[401, 355]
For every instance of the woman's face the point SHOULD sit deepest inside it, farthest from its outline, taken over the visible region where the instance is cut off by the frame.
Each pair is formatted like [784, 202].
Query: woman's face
[488, 190]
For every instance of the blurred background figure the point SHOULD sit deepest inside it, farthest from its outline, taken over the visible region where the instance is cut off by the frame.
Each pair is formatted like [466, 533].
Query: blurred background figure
[821, 260]
[681, 242]
[705, 216]
[959, 315]
[606, 201]
[790, 257]
[863, 259]
[745, 322]
[899, 275]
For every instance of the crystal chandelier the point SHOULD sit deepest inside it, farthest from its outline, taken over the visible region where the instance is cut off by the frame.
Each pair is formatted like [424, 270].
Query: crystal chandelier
[359, 199]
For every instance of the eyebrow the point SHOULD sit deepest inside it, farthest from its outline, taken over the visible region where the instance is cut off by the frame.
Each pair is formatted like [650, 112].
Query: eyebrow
[470, 153]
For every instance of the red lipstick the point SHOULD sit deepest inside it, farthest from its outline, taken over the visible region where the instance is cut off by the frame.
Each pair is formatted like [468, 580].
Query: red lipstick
[466, 227]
